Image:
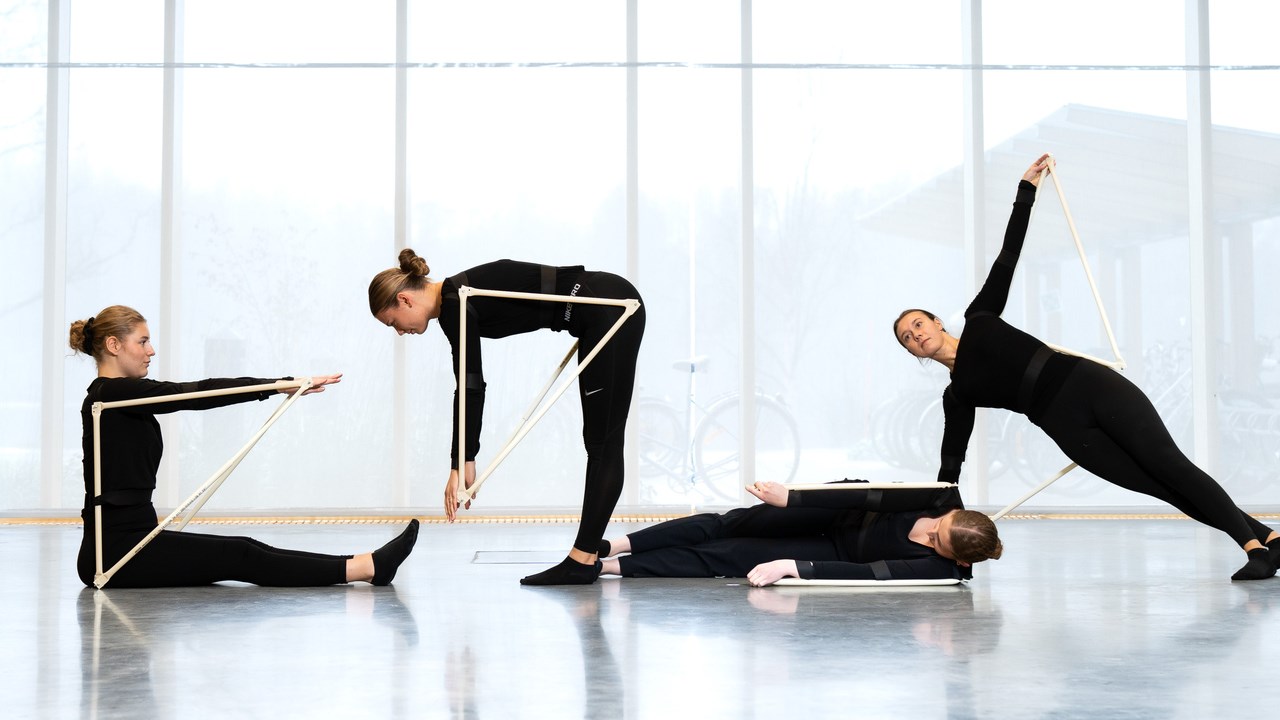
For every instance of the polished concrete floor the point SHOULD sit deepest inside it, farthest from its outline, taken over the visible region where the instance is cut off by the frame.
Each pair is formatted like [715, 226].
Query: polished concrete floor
[1089, 618]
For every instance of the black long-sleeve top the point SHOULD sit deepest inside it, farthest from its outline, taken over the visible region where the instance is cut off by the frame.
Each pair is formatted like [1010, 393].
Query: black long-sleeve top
[131, 443]
[993, 356]
[876, 529]
[491, 317]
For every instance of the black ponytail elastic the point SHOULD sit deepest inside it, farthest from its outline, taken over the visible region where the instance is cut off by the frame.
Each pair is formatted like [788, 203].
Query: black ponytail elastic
[87, 345]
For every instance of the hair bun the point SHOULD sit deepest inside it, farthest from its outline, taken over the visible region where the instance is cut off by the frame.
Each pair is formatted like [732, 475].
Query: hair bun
[412, 264]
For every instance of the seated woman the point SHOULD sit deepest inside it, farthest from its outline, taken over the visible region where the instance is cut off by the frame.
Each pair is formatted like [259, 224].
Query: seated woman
[815, 534]
[131, 446]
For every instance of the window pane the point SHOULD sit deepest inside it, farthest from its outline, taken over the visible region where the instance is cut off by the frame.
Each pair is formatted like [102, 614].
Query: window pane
[515, 31]
[677, 31]
[287, 214]
[289, 31]
[121, 31]
[833, 149]
[1242, 32]
[113, 219]
[22, 158]
[837, 31]
[690, 265]
[24, 33]
[838, 254]
[1139, 32]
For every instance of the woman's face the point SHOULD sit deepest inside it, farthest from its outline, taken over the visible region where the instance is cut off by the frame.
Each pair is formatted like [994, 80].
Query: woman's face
[407, 316]
[920, 334]
[941, 537]
[133, 352]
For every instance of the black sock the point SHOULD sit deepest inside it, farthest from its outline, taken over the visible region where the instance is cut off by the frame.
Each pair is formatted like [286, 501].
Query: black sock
[387, 559]
[1259, 566]
[568, 572]
[607, 551]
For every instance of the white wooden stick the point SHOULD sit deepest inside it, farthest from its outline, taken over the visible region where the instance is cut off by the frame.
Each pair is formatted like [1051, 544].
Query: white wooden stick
[230, 466]
[870, 486]
[195, 395]
[1088, 273]
[800, 582]
[1113, 364]
[629, 307]
[1033, 491]
[206, 489]
[537, 400]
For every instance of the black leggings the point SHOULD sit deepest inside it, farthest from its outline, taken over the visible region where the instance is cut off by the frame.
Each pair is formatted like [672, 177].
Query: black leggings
[605, 389]
[1109, 427]
[183, 559]
[729, 545]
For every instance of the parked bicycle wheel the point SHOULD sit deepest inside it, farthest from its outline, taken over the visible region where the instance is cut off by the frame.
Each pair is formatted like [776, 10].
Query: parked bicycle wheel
[660, 436]
[717, 446]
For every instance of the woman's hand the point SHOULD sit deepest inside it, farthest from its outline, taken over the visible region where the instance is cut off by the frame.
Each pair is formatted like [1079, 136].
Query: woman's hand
[451, 490]
[772, 493]
[317, 384]
[771, 572]
[1032, 175]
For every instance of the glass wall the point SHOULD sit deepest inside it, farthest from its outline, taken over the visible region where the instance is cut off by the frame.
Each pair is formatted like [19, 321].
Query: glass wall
[846, 157]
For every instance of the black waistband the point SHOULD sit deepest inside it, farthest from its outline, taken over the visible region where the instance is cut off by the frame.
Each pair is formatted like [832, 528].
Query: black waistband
[120, 498]
[1027, 390]
[548, 310]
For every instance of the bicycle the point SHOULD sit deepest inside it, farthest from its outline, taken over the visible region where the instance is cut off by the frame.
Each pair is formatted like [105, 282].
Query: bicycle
[704, 457]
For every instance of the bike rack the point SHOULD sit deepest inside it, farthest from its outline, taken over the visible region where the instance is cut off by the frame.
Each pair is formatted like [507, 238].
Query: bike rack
[202, 494]
[1051, 171]
[629, 307]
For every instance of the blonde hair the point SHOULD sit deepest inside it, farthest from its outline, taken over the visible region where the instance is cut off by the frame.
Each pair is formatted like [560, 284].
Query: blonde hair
[90, 336]
[411, 275]
[974, 537]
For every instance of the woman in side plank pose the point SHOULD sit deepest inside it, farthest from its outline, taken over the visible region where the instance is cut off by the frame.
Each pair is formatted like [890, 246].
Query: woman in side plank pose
[1100, 420]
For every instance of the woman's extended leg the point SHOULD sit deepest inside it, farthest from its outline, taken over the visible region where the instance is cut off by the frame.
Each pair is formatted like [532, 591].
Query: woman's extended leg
[183, 559]
[604, 388]
[732, 557]
[1108, 426]
[757, 521]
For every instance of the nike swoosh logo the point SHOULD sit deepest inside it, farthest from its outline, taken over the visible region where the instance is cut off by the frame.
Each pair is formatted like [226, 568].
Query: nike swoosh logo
[593, 392]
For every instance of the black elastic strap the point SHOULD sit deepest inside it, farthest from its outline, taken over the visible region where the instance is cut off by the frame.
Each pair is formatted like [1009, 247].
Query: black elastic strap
[881, 570]
[123, 497]
[457, 281]
[475, 381]
[874, 498]
[1028, 387]
[548, 310]
[868, 520]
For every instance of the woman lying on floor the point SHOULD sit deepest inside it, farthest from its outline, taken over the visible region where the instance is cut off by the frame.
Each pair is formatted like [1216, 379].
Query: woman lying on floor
[815, 534]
